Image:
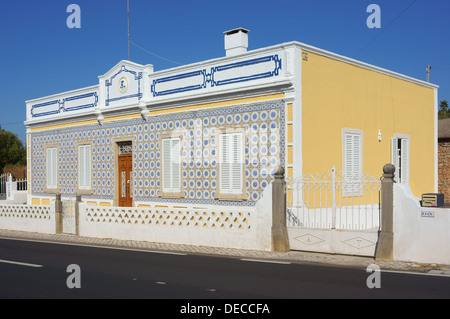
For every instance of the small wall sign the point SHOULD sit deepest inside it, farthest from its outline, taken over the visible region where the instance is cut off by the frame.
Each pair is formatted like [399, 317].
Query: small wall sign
[426, 213]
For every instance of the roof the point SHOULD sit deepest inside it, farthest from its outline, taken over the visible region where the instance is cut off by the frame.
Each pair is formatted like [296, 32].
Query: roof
[444, 128]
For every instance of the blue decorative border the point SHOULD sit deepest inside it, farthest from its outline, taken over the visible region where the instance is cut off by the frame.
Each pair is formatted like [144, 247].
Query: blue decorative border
[36, 106]
[83, 106]
[275, 72]
[137, 77]
[178, 77]
[61, 105]
[209, 77]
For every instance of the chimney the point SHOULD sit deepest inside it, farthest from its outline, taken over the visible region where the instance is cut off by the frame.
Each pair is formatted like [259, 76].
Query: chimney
[236, 41]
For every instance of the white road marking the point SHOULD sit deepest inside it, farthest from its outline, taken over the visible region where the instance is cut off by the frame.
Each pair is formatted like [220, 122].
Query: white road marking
[20, 263]
[430, 273]
[267, 261]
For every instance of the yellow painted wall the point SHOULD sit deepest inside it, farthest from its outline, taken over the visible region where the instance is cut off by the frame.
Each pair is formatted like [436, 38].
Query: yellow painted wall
[338, 95]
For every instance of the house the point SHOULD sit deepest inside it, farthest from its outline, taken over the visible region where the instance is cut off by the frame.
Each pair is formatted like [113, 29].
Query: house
[213, 132]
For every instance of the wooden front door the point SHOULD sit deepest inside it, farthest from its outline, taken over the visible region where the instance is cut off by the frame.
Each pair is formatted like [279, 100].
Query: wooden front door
[125, 180]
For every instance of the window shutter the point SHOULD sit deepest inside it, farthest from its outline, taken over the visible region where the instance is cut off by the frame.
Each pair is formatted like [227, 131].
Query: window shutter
[84, 166]
[352, 161]
[175, 165]
[352, 156]
[171, 165]
[394, 157]
[236, 166]
[231, 170]
[224, 163]
[88, 166]
[51, 168]
[81, 166]
[166, 167]
[405, 161]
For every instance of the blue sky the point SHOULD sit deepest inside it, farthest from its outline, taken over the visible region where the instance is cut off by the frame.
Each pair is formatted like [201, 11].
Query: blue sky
[40, 55]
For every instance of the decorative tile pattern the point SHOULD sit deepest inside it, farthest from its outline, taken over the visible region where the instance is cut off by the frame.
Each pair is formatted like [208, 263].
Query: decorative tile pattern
[264, 151]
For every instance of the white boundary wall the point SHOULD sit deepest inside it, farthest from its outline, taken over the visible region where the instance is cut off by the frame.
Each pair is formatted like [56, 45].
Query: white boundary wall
[211, 225]
[30, 218]
[421, 234]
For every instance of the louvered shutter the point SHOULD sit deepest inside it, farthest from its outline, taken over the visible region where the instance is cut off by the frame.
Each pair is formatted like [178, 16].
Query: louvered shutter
[84, 166]
[166, 164]
[175, 174]
[404, 161]
[171, 165]
[236, 165]
[81, 166]
[51, 168]
[225, 165]
[231, 153]
[352, 161]
[395, 158]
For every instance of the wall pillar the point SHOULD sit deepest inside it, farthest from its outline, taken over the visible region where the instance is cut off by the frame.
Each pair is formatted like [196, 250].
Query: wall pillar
[280, 240]
[77, 215]
[58, 214]
[385, 246]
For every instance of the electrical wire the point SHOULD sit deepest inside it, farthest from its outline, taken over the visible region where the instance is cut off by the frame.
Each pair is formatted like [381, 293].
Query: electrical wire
[154, 54]
[385, 28]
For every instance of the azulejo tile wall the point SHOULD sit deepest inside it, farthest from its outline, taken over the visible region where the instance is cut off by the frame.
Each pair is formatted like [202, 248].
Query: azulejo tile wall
[263, 125]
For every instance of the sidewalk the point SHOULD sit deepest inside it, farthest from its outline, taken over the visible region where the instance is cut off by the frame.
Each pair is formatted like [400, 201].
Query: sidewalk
[292, 256]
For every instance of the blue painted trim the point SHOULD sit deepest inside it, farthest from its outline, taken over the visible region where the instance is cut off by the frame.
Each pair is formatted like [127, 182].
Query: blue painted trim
[275, 72]
[61, 105]
[178, 77]
[35, 106]
[84, 106]
[137, 77]
[209, 77]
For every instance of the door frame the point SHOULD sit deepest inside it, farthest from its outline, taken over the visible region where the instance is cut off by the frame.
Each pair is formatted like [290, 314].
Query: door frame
[116, 142]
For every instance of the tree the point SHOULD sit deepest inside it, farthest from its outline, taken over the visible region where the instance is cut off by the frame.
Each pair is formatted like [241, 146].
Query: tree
[444, 106]
[12, 150]
[444, 112]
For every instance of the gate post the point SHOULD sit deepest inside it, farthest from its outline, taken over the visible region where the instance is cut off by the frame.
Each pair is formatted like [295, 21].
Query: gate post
[58, 214]
[385, 245]
[280, 240]
[77, 215]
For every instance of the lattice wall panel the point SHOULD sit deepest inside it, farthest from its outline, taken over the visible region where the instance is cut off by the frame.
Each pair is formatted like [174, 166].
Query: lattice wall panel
[173, 217]
[24, 211]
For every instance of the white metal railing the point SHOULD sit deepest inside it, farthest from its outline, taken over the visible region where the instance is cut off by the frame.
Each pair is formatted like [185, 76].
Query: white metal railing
[21, 184]
[3, 181]
[332, 200]
[16, 184]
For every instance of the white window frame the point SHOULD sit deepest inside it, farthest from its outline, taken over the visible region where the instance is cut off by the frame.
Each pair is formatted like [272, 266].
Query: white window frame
[400, 158]
[52, 167]
[84, 167]
[231, 154]
[352, 161]
[172, 167]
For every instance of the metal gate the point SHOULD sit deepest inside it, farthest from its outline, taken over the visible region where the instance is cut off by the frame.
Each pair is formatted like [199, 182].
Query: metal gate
[3, 181]
[334, 213]
[68, 216]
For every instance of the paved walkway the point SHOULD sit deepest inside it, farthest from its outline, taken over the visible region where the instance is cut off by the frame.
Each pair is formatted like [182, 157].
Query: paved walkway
[292, 256]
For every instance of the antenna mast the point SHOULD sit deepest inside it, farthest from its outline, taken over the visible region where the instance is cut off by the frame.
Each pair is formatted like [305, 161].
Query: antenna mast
[128, 20]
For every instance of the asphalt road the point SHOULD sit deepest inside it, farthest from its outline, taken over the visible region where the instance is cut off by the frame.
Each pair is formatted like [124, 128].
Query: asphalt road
[40, 270]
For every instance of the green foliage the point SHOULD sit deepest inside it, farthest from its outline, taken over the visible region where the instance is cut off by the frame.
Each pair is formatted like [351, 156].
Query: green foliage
[444, 111]
[12, 150]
